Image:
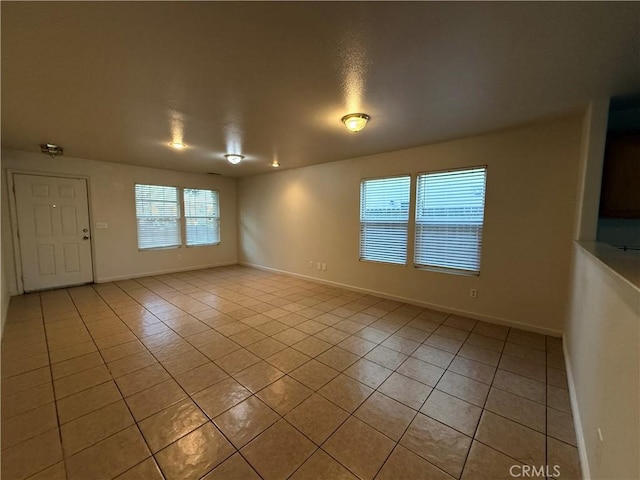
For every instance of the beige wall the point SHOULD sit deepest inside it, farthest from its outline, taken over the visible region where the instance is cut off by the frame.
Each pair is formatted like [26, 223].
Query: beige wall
[111, 197]
[601, 341]
[291, 217]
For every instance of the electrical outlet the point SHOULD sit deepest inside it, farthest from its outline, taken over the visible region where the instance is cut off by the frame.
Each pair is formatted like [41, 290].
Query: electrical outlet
[324, 266]
[318, 265]
[311, 263]
[179, 257]
[473, 293]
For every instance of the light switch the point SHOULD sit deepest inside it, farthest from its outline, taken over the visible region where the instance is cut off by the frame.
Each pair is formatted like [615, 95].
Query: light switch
[102, 225]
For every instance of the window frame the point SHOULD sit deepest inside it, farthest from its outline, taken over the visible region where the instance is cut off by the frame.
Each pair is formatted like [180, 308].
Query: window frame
[216, 218]
[181, 217]
[407, 223]
[178, 218]
[441, 268]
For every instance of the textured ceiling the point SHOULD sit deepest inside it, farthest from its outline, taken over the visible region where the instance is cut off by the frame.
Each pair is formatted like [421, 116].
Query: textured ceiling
[119, 81]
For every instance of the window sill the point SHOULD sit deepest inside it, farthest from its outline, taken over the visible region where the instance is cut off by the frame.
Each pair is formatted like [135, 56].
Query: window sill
[450, 271]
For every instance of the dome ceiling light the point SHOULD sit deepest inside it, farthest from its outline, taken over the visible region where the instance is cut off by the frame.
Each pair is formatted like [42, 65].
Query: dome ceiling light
[51, 149]
[355, 121]
[234, 158]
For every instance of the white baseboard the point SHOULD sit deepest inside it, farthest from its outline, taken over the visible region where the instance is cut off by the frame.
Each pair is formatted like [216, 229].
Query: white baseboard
[577, 422]
[420, 303]
[162, 272]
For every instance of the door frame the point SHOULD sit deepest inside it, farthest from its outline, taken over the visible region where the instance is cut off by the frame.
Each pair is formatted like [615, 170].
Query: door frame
[13, 213]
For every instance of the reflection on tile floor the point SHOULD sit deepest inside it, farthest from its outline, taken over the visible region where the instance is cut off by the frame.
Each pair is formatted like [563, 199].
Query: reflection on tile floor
[238, 373]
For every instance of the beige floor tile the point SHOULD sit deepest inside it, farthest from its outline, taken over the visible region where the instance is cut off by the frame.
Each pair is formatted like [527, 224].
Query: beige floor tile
[451, 332]
[511, 438]
[219, 348]
[232, 328]
[248, 337]
[311, 327]
[452, 411]
[518, 409]
[272, 327]
[385, 415]
[485, 342]
[123, 350]
[278, 452]
[525, 353]
[154, 399]
[75, 365]
[386, 357]
[404, 464]
[369, 373]
[322, 466]
[565, 457]
[359, 447]
[560, 426]
[31, 456]
[172, 423]
[110, 457]
[433, 356]
[245, 421]
[557, 378]
[234, 468]
[266, 347]
[221, 396]
[472, 369]
[200, 377]
[290, 336]
[485, 463]
[284, 394]
[535, 371]
[29, 424]
[346, 392]
[528, 339]
[558, 398]
[237, 361]
[498, 332]
[54, 472]
[464, 388]
[332, 335]
[519, 385]
[258, 376]
[312, 346]
[439, 444]
[194, 454]
[314, 374]
[288, 359]
[447, 344]
[22, 365]
[338, 359]
[405, 390]
[480, 354]
[25, 381]
[184, 363]
[356, 345]
[142, 379]
[400, 344]
[81, 381]
[317, 418]
[96, 426]
[421, 371]
[26, 400]
[72, 352]
[130, 364]
[146, 470]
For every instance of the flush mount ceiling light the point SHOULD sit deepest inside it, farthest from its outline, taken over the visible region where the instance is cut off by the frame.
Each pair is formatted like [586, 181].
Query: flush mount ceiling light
[355, 121]
[51, 149]
[234, 158]
[275, 164]
[178, 145]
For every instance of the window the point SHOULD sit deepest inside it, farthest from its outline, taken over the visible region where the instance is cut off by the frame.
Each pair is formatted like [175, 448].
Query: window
[384, 217]
[158, 215]
[449, 219]
[202, 217]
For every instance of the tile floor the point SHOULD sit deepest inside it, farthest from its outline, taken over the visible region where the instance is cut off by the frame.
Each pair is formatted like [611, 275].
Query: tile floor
[236, 373]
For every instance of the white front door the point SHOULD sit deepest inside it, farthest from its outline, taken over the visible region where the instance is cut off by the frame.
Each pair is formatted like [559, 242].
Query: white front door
[53, 229]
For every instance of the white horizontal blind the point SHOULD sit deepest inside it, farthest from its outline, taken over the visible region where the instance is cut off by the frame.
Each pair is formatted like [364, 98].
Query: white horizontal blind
[202, 216]
[449, 219]
[384, 216]
[158, 215]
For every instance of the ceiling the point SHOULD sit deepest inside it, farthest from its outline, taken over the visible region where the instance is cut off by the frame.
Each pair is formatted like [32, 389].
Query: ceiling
[118, 81]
